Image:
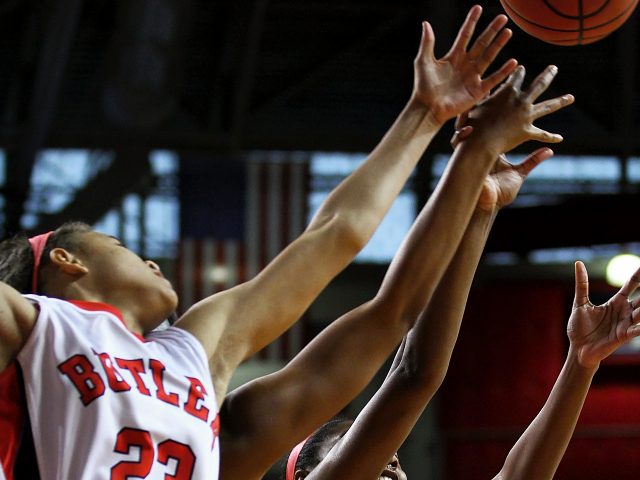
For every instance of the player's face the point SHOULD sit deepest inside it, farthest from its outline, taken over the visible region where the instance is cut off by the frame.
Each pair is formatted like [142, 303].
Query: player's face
[393, 470]
[125, 278]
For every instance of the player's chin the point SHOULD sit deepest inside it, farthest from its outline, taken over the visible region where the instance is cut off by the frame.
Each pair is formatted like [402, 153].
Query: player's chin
[166, 302]
[171, 301]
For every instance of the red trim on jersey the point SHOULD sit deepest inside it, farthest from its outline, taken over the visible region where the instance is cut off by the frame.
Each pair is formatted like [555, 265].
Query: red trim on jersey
[12, 413]
[97, 307]
[104, 307]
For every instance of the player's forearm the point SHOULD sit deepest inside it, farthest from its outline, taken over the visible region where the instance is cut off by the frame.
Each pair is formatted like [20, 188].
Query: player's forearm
[429, 248]
[449, 301]
[538, 452]
[431, 341]
[363, 198]
[414, 379]
[417, 370]
[340, 229]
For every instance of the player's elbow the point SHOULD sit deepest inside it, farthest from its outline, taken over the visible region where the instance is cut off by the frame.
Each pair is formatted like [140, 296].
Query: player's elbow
[341, 233]
[419, 377]
[387, 312]
[394, 306]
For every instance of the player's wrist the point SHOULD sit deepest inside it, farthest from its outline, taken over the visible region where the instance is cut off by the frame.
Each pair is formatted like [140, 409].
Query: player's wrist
[487, 140]
[581, 362]
[486, 212]
[480, 148]
[431, 117]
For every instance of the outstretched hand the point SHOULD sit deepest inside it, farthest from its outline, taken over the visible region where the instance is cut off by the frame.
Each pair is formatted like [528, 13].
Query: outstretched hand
[596, 331]
[505, 119]
[505, 179]
[453, 84]
[503, 183]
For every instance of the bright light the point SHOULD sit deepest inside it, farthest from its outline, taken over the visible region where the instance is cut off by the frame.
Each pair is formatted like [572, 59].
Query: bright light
[219, 274]
[620, 268]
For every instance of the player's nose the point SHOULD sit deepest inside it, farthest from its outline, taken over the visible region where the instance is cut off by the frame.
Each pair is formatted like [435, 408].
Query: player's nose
[153, 266]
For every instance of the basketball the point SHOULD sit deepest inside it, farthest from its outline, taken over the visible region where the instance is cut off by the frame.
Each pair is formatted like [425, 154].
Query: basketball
[569, 22]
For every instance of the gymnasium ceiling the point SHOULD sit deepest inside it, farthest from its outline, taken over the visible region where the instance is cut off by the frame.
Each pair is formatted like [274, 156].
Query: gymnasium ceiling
[227, 76]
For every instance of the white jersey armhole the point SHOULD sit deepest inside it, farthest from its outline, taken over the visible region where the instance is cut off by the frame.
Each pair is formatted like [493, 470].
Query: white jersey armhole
[194, 344]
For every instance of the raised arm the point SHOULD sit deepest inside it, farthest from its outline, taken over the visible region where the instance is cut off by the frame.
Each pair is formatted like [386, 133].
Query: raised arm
[330, 369]
[420, 367]
[594, 333]
[251, 315]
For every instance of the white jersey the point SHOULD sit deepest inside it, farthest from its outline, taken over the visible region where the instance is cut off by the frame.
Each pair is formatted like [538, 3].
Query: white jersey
[106, 404]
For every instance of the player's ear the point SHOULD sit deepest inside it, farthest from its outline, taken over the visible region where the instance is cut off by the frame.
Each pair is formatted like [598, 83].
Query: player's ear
[300, 474]
[67, 262]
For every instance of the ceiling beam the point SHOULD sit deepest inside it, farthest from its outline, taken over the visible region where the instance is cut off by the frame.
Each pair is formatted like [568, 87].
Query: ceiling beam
[359, 48]
[130, 172]
[278, 136]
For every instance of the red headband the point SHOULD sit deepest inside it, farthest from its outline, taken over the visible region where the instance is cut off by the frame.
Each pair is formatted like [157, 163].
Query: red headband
[37, 245]
[293, 459]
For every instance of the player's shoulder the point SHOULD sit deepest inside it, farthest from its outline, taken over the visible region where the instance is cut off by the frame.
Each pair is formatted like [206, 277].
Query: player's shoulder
[16, 322]
[208, 319]
[13, 298]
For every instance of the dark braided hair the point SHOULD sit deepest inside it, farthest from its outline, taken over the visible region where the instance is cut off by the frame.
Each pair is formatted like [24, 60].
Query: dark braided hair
[309, 456]
[16, 256]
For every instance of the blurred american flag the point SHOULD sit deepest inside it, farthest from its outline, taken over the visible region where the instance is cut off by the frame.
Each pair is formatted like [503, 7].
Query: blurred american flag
[274, 212]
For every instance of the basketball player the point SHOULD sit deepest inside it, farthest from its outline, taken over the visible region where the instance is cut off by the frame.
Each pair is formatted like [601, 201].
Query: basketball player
[266, 415]
[77, 306]
[366, 447]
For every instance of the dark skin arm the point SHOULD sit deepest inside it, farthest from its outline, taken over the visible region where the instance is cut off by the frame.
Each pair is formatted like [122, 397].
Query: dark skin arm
[273, 412]
[367, 448]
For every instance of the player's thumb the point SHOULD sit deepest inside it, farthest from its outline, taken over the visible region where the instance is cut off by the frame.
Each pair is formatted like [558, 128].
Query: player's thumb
[427, 44]
[582, 285]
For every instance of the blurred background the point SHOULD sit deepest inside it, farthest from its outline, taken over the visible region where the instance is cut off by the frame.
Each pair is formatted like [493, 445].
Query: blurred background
[204, 134]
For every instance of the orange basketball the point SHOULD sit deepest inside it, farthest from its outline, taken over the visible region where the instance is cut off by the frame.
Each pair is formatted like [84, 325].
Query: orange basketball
[569, 22]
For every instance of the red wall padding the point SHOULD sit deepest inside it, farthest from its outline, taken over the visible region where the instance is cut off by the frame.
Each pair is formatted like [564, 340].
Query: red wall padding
[511, 348]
